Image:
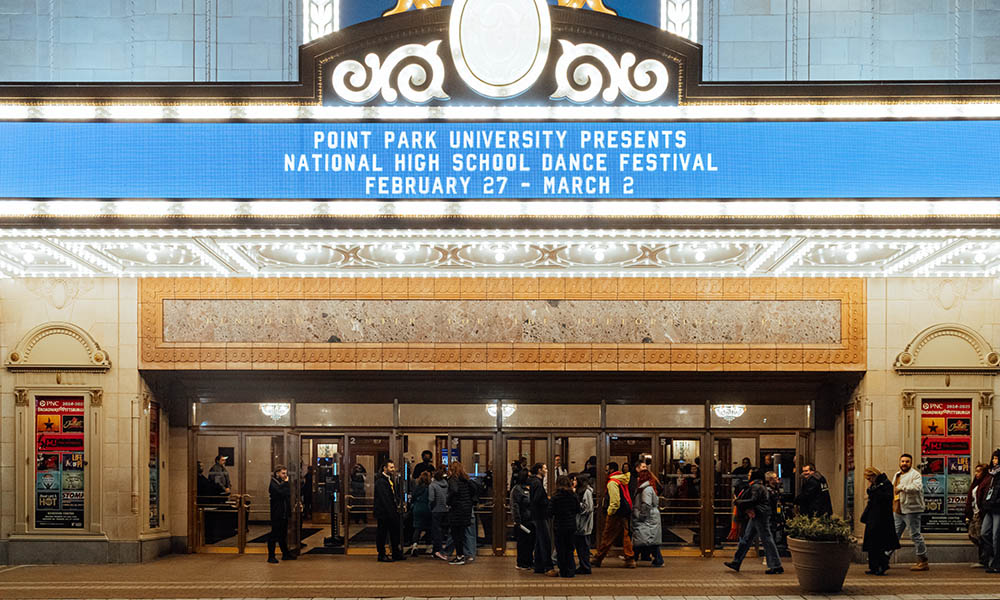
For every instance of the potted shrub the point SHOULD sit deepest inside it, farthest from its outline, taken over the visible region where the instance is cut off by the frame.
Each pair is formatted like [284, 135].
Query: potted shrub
[821, 551]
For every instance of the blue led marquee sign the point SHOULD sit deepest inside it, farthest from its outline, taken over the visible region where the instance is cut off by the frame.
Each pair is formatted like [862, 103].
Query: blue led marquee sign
[509, 160]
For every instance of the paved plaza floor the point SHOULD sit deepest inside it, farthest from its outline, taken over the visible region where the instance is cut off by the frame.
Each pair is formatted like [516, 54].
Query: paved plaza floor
[361, 577]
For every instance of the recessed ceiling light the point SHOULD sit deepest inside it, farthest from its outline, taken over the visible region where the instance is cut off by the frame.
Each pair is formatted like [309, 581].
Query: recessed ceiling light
[699, 255]
[300, 256]
[151, 256]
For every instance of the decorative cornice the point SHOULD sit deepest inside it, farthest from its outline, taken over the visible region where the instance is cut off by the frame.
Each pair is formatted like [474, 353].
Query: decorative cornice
[908, 361]
[20, 358]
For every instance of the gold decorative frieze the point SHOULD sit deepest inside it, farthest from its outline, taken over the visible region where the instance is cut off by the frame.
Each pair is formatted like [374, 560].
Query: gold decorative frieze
[777, 324]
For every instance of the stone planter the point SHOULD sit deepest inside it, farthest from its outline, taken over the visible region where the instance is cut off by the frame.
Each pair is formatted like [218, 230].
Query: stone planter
[820, 566]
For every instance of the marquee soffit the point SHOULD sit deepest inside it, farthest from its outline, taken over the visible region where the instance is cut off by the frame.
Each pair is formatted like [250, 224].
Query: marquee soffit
[948, 347]
[57, 345]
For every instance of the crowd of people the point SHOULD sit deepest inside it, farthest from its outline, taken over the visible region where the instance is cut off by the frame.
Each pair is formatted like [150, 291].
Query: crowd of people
[553, 531]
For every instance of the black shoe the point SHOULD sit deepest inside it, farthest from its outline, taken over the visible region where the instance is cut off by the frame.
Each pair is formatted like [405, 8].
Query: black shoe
[733, 565]
[288, 557]
[775, 571]
[992, 570]
[272, 560]
[397, 558]
[384, 558]
[583, 571]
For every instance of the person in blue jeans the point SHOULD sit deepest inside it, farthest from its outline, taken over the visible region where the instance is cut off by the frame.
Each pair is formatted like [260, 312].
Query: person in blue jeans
[437, 498]
[908, 507]
[989, 508]
[755, 502]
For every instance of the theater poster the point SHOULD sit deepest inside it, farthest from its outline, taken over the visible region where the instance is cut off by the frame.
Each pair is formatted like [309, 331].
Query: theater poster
[59, 462]
[946, 451]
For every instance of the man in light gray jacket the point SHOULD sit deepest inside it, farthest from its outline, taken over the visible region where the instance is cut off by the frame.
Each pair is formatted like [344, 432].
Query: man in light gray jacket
[908, 507]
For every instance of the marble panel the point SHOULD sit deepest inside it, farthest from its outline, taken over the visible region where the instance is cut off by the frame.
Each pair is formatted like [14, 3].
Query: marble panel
[503, 321]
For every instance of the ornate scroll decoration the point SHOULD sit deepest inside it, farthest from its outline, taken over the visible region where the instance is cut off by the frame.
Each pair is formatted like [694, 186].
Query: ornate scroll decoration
[96, 397]
[909, 399]
[405, 5]
[985, 399]
[20, 396]
[650, 76]
[594, 5]
[357, 84]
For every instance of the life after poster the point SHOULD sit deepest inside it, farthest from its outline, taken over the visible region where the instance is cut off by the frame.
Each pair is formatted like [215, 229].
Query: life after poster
[59, 462]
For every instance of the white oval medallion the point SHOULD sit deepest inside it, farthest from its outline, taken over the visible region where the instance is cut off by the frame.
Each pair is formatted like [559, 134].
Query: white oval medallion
[500, 46]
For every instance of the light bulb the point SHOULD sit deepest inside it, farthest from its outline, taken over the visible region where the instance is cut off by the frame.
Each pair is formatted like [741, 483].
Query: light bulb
[699, 255]
[599, 255]
[400, 256]
[851, 256]
[28, 257]
[151, 256]
[980, 257]
[300, 256]
[499, 256]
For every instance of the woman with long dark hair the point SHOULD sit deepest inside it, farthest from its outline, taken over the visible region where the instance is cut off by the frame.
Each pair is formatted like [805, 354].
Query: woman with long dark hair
[421, 510]
[520, 511]
[563, 508]
[460, 495]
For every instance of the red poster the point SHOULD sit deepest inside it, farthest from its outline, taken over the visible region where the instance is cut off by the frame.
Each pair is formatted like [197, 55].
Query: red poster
[945, 445]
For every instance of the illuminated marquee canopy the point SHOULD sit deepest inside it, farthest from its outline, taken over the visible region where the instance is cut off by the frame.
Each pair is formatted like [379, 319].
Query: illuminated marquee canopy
[576, 144]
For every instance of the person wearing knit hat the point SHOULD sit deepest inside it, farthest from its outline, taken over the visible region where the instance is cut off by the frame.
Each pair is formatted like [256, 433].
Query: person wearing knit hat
[880, 533]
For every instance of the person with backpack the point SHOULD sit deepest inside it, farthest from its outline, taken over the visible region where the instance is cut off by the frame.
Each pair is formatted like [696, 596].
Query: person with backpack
[421, 509]
[619, 513]
[584, 522]
[990, 509]
[520, 511]
[814, 499]
[755, 502]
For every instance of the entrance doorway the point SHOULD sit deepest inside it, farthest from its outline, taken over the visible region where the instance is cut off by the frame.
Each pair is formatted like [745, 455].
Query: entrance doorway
[365, 456]
[232, 502]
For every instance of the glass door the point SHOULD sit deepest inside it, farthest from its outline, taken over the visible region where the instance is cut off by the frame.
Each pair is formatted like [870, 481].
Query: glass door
[365, 456]
[261, 455]
[219, 507]
[323, 493]
[679, 470]
[232, 500]
[476, 454]
[733, 457]
[522, 451]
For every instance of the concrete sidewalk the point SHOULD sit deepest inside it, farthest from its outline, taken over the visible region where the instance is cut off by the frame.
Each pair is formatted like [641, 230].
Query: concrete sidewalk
[325, 576]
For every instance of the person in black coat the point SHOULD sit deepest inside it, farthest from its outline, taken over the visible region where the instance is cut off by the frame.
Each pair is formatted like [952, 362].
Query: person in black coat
[281, 510]
[461, 491]
[386, 511]
[539, 514]
[755, 503]
[814, 497]
[563, 508]
[880, 531]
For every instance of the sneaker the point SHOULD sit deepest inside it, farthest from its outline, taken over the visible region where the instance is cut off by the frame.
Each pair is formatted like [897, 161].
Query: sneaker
[733, 565]
[977, 565]
[272, 560]
[552, 573]
[458, 560]
[920, 566]
[520, 568]
[384, 558]
[440, 555]
[630, 564]
[775, 571]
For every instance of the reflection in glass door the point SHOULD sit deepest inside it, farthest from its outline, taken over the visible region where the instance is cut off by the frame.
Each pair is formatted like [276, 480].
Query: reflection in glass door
[365, 456]
[679, 471]
[232, 502]
[219, 494]
[734, 458]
